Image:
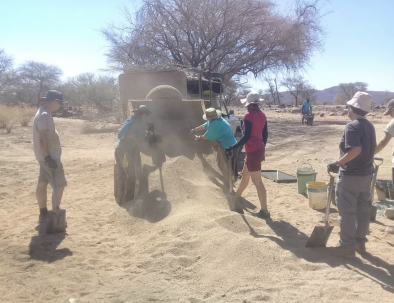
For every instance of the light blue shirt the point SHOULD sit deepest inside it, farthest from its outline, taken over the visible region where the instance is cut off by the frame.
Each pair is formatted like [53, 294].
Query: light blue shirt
[220, 130]
[306, 107]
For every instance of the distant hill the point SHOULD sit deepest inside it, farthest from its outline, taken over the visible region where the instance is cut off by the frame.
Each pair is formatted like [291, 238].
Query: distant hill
[327, 96]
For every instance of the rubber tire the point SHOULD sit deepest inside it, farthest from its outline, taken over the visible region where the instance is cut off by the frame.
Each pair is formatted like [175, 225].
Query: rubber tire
[164, 92]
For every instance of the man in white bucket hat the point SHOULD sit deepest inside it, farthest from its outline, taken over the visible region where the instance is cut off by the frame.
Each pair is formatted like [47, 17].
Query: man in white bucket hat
[355, 168]
[216, 128]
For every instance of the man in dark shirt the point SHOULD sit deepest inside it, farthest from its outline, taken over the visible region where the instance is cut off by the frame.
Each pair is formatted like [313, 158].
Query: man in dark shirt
[355, 168]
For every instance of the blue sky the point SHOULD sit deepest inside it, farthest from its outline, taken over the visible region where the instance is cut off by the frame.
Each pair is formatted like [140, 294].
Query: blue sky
[359, 45]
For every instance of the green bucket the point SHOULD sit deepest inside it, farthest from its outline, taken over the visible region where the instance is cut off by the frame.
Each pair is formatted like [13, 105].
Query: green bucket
[305, 175]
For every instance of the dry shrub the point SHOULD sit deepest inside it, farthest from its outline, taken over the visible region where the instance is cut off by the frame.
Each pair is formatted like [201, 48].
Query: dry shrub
[89, 113]
[119, 115]
[9, 116]
[98, 128]
[26, 113]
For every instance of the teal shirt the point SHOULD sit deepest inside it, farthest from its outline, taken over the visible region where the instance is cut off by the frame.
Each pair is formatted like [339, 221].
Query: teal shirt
[306, 107]
[220, 130]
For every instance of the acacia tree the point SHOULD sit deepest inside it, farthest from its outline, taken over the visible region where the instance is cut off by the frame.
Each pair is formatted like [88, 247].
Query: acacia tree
[346, 91]
[229, 36]
[6, 70]
[299, 88]
[38, 77]
[91, 89]
[272, 93]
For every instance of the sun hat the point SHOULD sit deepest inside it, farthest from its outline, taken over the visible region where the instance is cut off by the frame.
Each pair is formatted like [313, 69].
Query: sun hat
[53, 95]
[362, 101]
[212, 113]
[390, 105]
[142, 109]
[251, 98]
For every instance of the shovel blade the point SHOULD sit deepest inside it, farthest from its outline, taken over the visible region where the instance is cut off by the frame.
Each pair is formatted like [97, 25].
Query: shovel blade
[56, 222]
[234, 204]
[319, 236]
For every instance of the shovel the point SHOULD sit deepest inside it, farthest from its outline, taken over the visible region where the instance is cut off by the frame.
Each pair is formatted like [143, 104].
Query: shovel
[233, 199]
[56, 218]
[321, 234]
[373, 208]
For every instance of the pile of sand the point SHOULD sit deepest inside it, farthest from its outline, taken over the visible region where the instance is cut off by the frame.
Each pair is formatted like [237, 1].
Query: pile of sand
[189, 186]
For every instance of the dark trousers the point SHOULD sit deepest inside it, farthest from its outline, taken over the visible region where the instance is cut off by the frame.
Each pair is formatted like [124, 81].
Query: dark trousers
[353, 200]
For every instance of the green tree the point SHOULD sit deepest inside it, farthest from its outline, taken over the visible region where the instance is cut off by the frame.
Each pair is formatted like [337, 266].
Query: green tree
[38, 77]
[90, 89]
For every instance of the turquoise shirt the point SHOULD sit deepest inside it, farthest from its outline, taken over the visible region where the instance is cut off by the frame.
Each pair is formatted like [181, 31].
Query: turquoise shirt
[306, 107]
[220, 130]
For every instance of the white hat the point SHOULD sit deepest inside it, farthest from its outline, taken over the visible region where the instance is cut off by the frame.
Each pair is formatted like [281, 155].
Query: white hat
[252, 98]
[361, 100]
[211, 113]
[142, 109]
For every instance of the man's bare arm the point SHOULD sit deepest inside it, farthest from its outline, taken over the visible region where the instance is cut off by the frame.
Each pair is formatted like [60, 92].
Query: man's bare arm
[382, 144]
[198, 128]
[44, 142]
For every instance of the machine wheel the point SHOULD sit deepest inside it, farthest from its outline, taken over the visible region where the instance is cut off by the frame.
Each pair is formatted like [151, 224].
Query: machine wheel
[164, 92]
[166, 102]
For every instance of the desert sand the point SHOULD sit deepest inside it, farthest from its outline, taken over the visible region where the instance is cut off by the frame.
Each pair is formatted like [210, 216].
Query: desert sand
[181, 243]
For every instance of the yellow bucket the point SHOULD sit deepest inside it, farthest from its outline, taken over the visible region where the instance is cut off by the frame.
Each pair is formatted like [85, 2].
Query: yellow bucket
[317, 194]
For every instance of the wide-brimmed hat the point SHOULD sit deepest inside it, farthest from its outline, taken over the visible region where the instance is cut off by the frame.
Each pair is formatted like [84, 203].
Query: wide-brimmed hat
[212, 113]
[362, 101]
[390, 106]
[142, 109]
[251, 98]
[53, 95]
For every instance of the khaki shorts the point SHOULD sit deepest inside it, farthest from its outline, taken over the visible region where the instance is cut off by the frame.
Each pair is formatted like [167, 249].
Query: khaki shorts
[46, 176]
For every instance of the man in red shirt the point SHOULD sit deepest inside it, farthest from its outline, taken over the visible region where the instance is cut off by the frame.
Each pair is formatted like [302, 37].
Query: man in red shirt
[255, 138]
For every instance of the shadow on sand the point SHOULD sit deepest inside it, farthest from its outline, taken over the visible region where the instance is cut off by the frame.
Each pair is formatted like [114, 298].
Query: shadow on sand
[151, 206]
[291, 239]
[43, 247]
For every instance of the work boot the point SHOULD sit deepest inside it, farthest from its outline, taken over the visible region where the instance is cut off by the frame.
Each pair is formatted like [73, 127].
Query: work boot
[343, 251]
[360, 247]
[42, 219]
[262, 214]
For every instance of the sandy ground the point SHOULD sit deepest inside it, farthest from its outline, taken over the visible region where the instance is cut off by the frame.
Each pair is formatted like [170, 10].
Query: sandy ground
[181, 243]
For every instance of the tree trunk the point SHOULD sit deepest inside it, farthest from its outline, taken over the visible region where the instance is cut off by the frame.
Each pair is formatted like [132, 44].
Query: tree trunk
[277, 93]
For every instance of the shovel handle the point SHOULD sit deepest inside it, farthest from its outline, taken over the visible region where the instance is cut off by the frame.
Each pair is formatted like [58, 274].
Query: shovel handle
[380, 160]
[329, 196]
[375, 177]
[55, 189]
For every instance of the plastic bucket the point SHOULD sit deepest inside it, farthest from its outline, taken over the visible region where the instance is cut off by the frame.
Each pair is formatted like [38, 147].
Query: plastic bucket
[385, 186]
[305, 175]
[317, 194]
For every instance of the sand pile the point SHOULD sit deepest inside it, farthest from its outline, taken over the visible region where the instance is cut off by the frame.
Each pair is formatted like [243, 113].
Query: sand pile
[190, 185]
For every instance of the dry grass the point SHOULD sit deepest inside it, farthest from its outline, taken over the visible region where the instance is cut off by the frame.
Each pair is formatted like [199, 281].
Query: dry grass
[26, 114]
[98, 128]
[89, 113]
[9, 116]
